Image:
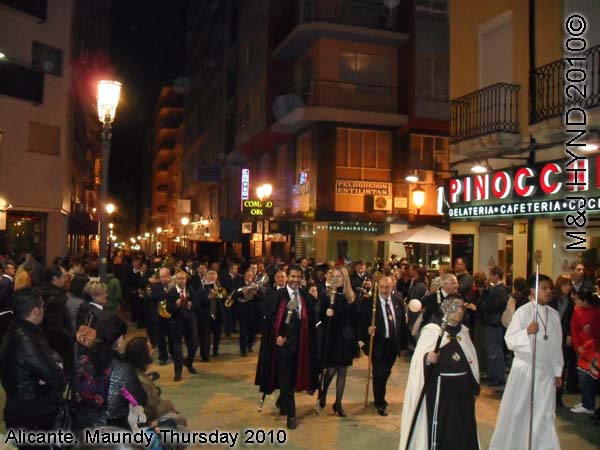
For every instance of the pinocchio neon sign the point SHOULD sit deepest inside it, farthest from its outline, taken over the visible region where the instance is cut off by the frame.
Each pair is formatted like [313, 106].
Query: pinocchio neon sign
[524, 182]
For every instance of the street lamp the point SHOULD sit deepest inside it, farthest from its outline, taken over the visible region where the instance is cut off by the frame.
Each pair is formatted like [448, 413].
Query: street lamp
[108, 99]
[264, 192]
[418, 198]
[184, 221]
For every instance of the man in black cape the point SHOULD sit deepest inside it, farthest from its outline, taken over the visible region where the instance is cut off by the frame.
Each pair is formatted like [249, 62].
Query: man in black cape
[287, 357]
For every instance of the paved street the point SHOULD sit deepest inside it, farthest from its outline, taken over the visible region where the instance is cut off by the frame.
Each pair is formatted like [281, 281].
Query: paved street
[222, 396]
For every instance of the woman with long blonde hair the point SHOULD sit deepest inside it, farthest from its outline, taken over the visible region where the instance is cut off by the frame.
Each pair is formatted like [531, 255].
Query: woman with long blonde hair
[340, 345]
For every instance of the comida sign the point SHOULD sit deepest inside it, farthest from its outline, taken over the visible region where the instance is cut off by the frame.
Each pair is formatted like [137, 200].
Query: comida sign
[257, 208]
[540, 189]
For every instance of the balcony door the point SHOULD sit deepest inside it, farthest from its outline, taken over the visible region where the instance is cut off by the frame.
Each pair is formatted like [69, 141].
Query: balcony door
[496, 51]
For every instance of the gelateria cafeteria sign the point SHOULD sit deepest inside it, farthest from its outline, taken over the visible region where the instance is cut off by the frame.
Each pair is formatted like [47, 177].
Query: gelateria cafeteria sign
[532, 190]
[362, 187]
[257, 208]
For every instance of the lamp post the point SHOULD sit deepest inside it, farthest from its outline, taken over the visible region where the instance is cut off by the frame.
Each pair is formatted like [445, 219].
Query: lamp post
[158, 243]
[263, 192]
[184, 222]
[108, 99]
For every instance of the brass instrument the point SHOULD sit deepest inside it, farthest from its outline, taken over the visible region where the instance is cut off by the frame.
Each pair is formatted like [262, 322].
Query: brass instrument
[216, 293]
[249, 291]
[375, 292]
[363, 291]
[162, 310]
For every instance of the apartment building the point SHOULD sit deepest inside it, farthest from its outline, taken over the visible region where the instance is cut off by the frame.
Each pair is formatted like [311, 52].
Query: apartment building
[49, 147]
[507, 84]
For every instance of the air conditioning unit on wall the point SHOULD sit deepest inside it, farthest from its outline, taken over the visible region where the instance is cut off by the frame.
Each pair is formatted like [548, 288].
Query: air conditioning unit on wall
[382, 203]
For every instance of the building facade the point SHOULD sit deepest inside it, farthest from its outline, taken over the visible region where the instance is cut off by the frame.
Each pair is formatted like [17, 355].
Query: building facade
[48, 123]
[509, 86]
[333, 103]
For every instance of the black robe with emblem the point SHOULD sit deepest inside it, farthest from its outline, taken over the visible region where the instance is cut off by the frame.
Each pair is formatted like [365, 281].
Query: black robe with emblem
[450, 398]
[266, 373]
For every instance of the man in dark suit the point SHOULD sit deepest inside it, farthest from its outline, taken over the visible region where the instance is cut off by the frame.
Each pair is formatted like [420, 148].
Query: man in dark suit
[244, 309]
[170, 327]
[134, 283]
[187, 310]
[389, 337]
[210, 312]
[231, 281]
[493, 307]
[287, 357]
[360, 280]
[432, 311]
[7, 287]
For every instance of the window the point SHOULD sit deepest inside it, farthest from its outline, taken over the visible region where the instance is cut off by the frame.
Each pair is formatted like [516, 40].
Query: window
[303, 153]
[361, 68]
[44, 138]
[428, 152]
[46, 58]
[363, 154]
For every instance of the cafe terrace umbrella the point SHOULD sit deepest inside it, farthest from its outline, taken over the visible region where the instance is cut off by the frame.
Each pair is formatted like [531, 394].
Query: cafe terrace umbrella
[421, 235]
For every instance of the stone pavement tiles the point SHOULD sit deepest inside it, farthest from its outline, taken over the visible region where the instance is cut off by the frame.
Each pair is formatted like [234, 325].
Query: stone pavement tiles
[223, 396]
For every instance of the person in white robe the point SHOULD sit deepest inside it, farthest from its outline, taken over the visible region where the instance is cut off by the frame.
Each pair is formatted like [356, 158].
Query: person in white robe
[422, 358]
[512, 426]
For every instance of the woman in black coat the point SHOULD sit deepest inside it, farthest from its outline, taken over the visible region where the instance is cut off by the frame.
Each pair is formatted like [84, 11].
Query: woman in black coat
[340, 344]
[100, 378]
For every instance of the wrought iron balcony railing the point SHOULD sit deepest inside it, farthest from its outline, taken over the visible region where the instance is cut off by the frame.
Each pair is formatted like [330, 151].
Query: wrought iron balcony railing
[550, 82]
[365, 13]
[339, 94]
[489, 110]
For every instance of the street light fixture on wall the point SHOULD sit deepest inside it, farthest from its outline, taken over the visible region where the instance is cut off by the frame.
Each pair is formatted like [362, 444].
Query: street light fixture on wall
[418, 198]
[108, 99]
[264, 192]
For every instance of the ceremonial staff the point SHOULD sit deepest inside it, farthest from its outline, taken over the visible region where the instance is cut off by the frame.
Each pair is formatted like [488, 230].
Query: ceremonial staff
[331, 290]
[375, 298]
[291, 306]
[447, 309]
[538, 259]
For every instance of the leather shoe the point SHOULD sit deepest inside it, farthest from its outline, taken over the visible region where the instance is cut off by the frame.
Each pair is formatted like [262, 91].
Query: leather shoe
[177, 378]
[382, 412]
[339, 410]
[191, 368]
[291, 422]
[322, 399]
[163, 362]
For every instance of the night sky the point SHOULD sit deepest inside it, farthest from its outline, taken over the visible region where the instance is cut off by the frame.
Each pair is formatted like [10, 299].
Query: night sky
[147, 51]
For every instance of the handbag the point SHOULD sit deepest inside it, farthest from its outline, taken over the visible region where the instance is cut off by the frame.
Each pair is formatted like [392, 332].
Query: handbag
[64, 420]
[86, 335]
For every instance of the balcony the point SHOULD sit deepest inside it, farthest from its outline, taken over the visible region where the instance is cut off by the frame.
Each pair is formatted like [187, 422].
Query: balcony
[551, 101]
[21, 82]
[338, 101]
[353, 20]
[486, 119]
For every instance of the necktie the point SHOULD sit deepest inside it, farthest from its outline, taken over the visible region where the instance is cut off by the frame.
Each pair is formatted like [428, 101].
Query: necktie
[390, 319]
[297, 301]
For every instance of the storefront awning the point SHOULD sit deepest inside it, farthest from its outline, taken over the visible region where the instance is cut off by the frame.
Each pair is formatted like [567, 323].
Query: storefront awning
[422, 235]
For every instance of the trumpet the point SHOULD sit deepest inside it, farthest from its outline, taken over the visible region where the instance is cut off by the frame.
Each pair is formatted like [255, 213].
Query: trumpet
[162, 310]
[364, 291]
[217, 293]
